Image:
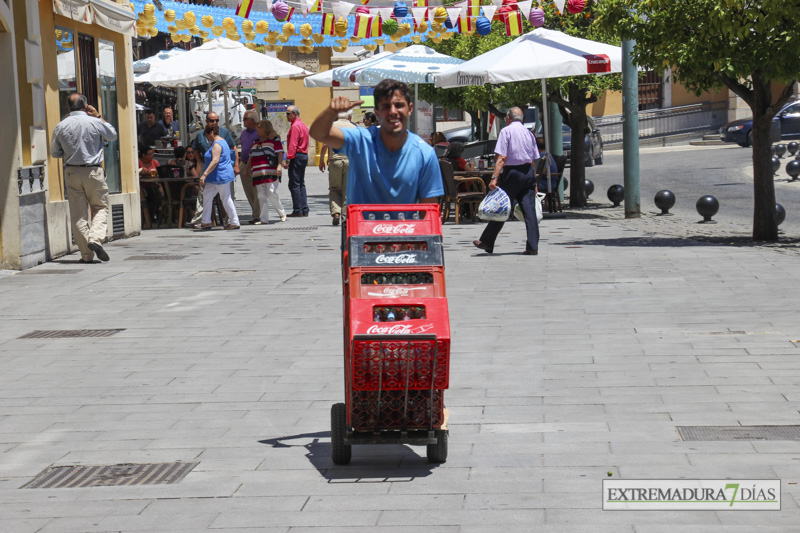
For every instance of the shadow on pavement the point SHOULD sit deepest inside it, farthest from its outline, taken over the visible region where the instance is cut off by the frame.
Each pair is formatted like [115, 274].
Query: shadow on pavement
[370, 463]
[678, 242]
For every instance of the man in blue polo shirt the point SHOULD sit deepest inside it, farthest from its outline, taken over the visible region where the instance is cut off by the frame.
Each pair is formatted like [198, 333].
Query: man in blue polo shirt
[389, 165]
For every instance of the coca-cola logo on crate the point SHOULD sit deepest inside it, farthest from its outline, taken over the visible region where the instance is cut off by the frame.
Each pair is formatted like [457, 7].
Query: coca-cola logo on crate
[393, 229]
[400, 259]
[399, 329]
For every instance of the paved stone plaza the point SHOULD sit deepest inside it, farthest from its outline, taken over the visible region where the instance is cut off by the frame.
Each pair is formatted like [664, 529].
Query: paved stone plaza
[566, 366]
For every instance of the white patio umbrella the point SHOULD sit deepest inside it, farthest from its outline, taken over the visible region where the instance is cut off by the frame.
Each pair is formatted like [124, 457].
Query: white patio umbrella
[143, 65]
[539, 54]
[414, 64]
[218, 61]
[325, 79]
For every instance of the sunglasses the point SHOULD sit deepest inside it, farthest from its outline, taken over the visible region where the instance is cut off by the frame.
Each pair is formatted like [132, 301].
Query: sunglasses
[212, 120]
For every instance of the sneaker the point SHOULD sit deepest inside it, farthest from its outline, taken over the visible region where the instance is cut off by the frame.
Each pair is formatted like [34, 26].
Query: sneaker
[336, 220]
[283, 218]
[257, 223]
[97, 248]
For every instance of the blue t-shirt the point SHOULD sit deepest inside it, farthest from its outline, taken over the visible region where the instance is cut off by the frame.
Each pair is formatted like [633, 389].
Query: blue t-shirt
[224, 171]
[377, 176]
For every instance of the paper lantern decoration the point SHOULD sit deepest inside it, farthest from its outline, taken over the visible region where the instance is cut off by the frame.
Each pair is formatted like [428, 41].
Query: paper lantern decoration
[250, 36]
[149, 9]
[339, 49]
[575, 6]
[389, 27]
[380, 42]
[288, 29]
[432, 34]
[194, 30]
[172, 29]
[536, 17]
[180, 24]
[283, 38]
[423, 27]
[190, 19]
[272, 34]
[186, 38]
[437, 27]
[401, 45]
[447, 35]
[395, 38]
[59, 35]
[400, 10]
[233, 36]
[341, 27]
[228, 23]
[318, 38]
[280, 10]
[152, 31]
[437, 39]
[132, 8]
[204, 35]
[363, 10]
[169, 15]
[370, 47]
[416, 39]
[306, 42]
[261, 27]
[175, 38]
[269, 48]
[272, 39]
[306, 30]
[355, 40]
[404, 28]
[483, 26]
[440, 15]
[247, 26]
[67, 45]
[216, 31]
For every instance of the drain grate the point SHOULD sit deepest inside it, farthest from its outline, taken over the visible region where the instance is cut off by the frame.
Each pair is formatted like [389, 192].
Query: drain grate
[70, 333]
[281, 228]
[52, 271]
[155, 257]
[732, 433]
[62, 477]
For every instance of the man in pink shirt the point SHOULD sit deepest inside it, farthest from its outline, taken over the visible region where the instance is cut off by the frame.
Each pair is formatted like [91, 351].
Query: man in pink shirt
[296, 161]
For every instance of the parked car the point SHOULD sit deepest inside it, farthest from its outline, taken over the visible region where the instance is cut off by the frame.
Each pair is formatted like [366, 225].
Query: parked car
[785, 125]
[593, 142]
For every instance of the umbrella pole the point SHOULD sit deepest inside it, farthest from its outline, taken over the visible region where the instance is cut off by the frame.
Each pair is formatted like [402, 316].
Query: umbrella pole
[182, 116]
[209, 98]
[416, 110]
[227, 121]
[546, 131]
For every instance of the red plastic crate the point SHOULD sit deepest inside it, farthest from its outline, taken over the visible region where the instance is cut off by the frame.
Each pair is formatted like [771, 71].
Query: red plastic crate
[390, 410]
[395, 364]
[358, 223]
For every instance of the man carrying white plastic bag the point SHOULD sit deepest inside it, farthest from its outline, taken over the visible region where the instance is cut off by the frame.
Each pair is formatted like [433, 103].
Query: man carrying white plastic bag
[514, 173]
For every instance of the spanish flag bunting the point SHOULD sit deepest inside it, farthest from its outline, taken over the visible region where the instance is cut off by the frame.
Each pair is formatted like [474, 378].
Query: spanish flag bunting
[375, 26]
[289, 16]
[465, 24]
[244, 7]
[473, 8]
[328, 22]
[314, 6]
[513, 23]
[362, 26]
[420, 3]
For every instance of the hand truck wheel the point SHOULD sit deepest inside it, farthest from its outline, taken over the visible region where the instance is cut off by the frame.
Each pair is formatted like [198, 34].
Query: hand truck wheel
[340, 452]
[437, 453]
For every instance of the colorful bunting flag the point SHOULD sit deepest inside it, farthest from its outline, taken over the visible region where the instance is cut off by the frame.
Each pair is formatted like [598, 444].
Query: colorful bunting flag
[513, 23]
[328, 23]
[244, 7]
[420, 3]
[312, 6]
[488, 11]
[375, 26]
[473, 8]
[465, 24]
[362, 26]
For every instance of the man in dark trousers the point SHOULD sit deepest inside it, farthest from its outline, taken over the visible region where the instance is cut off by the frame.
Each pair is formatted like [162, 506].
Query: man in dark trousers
[78, 139]
[296, 161]
[514, 173]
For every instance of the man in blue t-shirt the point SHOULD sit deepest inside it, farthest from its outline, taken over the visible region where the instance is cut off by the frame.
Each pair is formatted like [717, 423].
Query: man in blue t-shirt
[388, 165]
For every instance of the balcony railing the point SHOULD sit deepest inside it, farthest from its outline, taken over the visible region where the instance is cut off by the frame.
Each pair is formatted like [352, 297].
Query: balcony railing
[670, 121]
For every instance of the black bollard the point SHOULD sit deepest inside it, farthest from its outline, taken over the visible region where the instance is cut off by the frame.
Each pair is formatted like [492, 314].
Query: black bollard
[588, 187]
[793, 169]
[565, 181]
[776, 164]
[665, 200]
[772, 150]
[793, 147]
[707, 206]
[780, 150]
[616, 193]
[780, 214]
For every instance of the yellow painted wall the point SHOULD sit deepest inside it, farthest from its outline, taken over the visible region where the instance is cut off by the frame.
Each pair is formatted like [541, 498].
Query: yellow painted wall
[682, 96]
[609, 103]
[311, 102]
[125, 100]
[23, 88]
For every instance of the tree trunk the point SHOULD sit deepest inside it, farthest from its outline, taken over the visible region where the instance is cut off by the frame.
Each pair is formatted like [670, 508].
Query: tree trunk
[764, 226]
[577, 155]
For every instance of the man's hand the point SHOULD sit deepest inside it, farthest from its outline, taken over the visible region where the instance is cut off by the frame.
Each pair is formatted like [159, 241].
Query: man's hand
[92, 112]
[321, 165]
[236, 168]
[493, 184]
[340, 104]
[285, 163]
[322, 129]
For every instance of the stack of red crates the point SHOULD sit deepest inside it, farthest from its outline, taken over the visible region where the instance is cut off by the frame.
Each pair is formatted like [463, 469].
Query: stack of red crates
[397, 327]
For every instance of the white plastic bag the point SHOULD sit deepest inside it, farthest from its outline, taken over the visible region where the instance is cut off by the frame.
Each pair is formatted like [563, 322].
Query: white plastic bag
[539, 214]
[495, 207]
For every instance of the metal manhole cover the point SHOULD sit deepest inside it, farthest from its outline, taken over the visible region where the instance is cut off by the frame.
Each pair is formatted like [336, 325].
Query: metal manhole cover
[155, 257]
[70, 333]
[61, 477]
[53, 271]
[732, 433]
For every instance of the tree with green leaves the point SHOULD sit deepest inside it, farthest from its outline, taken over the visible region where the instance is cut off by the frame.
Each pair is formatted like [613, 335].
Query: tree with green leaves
[572, 94]
[744, 45]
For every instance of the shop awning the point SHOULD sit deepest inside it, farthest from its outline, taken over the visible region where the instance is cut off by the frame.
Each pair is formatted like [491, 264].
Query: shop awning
[106, 13]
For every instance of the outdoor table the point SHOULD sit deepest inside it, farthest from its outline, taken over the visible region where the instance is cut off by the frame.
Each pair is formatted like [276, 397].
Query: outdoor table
[485, 174]
[186, 181]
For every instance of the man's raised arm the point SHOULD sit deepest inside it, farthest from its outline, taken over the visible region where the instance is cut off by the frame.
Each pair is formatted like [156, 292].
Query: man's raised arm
[323, 130]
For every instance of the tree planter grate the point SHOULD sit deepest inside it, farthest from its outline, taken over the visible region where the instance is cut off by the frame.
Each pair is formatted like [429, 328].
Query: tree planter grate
[62, 477]
[70, 333]
[156, 257]
[733, 433]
